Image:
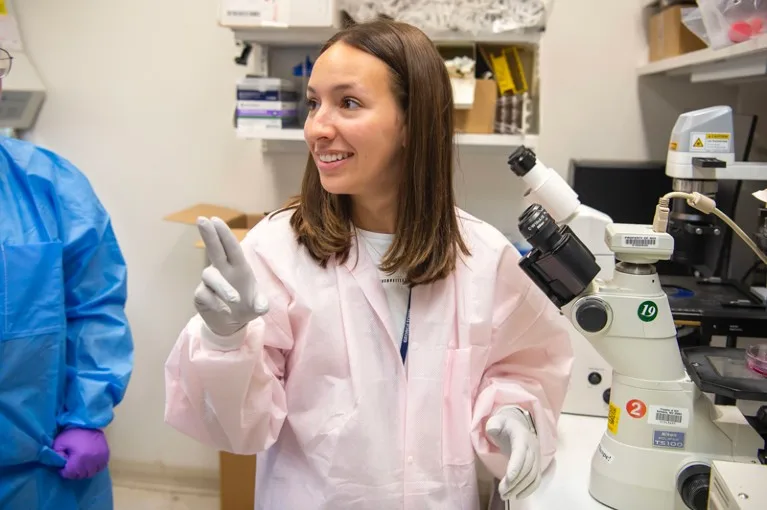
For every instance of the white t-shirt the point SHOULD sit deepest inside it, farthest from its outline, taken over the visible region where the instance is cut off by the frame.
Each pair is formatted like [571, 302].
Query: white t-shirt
[397, 291]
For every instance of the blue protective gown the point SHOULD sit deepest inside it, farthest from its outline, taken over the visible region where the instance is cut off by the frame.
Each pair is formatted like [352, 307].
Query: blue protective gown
[66, 350]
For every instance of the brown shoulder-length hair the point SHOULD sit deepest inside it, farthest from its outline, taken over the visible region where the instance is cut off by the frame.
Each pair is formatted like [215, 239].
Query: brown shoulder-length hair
[427, 238]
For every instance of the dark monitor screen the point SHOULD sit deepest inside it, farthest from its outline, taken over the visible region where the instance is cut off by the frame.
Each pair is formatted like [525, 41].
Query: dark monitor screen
[626, 191]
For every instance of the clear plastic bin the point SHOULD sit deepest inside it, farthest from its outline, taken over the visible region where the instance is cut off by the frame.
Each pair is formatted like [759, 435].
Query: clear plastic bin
[731, 21]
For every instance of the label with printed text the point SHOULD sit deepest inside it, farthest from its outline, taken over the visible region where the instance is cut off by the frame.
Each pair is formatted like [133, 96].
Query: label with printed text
[639, 241]
[668, 439]
[668, 416]
[613, 418]
[710, 142]
[604, 454]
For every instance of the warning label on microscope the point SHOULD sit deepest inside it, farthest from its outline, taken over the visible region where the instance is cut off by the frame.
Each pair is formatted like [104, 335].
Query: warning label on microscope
[710, 142]
[613, 418]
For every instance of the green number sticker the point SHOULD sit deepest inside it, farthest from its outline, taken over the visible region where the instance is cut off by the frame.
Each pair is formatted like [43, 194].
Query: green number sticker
[647, 311]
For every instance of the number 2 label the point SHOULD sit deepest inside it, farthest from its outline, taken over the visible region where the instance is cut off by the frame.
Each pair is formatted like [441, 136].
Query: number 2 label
[636, 408]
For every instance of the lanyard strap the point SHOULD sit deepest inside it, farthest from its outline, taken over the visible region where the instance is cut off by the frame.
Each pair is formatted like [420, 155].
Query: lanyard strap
[406, 332]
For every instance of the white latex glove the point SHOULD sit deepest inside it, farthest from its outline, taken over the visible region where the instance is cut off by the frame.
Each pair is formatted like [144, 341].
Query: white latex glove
[511, 432]
[227, 299]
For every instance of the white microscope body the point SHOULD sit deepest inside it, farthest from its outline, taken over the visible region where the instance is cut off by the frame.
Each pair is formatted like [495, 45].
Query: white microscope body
[591, 374]
[661, 428]
[662, 431]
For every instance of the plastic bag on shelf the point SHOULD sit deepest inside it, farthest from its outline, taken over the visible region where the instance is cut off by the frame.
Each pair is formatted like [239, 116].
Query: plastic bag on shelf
[732, 21]
[468, 16]
[693, 21]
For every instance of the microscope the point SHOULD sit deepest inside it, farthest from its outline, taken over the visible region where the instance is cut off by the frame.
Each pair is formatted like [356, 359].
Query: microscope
[701, 153]
[662, 432]
[589, 390]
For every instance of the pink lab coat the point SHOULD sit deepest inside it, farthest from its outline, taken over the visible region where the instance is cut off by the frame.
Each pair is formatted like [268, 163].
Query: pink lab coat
[319, 391]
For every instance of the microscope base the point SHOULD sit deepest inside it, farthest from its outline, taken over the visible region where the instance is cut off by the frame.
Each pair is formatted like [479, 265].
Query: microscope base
[648, 450]
[629, 478]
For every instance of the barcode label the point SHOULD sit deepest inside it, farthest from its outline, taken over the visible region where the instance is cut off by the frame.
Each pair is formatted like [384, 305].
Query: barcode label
[669, 416]
[640, 241]
[249, 14]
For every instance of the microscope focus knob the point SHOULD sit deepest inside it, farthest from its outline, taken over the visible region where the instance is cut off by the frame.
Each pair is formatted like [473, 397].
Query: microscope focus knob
[592, 315]
[693, 486]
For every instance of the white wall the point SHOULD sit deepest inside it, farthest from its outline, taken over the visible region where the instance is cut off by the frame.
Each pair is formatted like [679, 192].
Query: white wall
[140, 96]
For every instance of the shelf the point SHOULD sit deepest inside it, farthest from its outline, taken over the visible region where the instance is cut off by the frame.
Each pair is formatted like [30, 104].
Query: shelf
[290, 135]
[305, 36]
[464, 140]
[740, 61]
[475, 140]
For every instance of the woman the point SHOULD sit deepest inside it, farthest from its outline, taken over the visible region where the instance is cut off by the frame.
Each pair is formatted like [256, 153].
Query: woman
[369, 340]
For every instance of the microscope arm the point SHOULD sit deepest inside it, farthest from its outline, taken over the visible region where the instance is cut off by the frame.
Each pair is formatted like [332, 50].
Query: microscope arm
[546, 187]
[627, 313]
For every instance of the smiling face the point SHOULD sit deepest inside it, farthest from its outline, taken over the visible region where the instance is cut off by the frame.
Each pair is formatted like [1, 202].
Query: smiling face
[355, 128]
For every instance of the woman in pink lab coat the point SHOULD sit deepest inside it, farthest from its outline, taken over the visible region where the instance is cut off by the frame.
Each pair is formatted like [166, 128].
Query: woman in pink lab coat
[368, 341]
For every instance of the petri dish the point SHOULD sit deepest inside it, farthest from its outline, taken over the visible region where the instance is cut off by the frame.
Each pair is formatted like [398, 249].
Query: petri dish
[756, 358]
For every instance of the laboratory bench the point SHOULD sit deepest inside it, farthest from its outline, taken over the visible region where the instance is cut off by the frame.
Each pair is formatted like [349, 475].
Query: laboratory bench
[567, 478]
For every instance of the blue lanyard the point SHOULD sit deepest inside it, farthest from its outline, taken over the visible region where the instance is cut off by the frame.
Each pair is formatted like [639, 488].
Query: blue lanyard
[406, 331]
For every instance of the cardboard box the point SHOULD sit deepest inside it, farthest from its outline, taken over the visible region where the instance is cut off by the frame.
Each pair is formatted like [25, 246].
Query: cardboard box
[463, 86]
[238, 221]
[480, 118]
[238, 481]
[669, 37]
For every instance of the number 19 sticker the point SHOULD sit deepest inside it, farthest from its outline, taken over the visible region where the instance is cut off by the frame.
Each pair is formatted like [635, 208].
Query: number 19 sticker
[636, 408]
[647, 311]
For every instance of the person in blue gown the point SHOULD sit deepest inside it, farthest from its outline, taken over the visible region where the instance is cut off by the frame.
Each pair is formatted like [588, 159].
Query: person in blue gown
[66, 350]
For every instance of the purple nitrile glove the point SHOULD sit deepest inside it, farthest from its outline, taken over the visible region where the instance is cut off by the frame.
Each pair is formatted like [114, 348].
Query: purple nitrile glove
[86, 452]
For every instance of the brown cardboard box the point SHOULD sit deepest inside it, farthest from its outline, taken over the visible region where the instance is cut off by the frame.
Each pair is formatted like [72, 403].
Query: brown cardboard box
[238, 221]
[238, 481]
[669, 37]
[480, 118]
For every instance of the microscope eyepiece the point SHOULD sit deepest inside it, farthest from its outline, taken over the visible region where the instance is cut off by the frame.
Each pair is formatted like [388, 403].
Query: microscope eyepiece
[559, 263]
[522, 160]
[538, 228]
